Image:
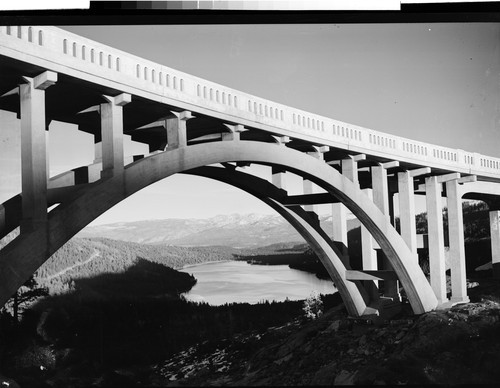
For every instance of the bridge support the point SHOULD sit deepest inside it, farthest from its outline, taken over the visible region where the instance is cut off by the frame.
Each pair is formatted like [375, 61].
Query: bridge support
[437, 262]
[279, 177]
[20, 258]
[339, 232]
[495, 241]
[349, 169]
[97, 150]
[112, 135]
[381, 199]
[369, 256]
[457, 243]
[34, 150]
[176, 129]
[381, 187]
[279, 174]
[309, 187]
[234, 132]
[407, 221]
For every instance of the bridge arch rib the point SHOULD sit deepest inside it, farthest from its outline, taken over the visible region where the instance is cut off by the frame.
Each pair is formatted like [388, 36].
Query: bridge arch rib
[23, 256]
[353, 294]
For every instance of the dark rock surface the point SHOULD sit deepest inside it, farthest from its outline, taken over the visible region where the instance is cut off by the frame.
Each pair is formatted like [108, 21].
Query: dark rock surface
[460, 345]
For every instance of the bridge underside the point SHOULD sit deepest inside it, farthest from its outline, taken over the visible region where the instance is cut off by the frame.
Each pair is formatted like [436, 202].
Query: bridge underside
[71, 216]
[143, 119]
[189, 141]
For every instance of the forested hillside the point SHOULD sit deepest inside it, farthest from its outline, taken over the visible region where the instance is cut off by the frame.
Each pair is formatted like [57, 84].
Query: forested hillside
[87, 258]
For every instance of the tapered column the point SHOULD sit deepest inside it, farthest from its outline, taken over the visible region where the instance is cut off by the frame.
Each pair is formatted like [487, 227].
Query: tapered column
[177, 129]
[339, 231]
[437, 263]
[279, 177]
[457, 244]
[97, 151]
[369, 256]
[112, 134]
[349, 169]
[407, 222]
[381, 200]
[406, 196]
[392, 215]
[310, 187]
[34, 149]
[279, 173]
[495, 241]
[47, 148]
[234, 132]
[380, 189]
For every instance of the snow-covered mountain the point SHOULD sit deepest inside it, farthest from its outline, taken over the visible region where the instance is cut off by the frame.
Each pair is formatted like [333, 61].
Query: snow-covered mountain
[235, 230]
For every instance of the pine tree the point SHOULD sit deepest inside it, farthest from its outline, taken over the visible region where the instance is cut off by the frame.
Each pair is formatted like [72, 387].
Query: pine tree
[27, 293]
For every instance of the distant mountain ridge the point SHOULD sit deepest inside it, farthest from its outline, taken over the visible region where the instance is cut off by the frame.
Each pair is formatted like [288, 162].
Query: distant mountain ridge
[235, 230]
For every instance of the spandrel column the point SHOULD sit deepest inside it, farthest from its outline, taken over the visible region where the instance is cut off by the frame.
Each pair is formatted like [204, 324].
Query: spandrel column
[437, 264]
[407, 222]
[112, 135]
[457, 243]
[339, 229]
[308, 186]
[495, 241]
[97, 150]
[381, 200]
[177, 129]
[349, 169]
[34, 149]
[234, 133]
[407, 217]
[369, 256]
[278, 178]
[98, 135]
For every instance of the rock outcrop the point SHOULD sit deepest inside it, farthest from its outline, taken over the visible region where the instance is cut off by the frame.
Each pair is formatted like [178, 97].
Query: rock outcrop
[460, 345]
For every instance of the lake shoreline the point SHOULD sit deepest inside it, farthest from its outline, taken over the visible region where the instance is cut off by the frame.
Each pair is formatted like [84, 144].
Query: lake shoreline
[238, 281]
[206, 262]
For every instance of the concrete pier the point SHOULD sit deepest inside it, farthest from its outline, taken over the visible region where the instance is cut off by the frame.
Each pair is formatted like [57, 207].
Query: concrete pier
[407, 206]
[495, 241]
[112, 134]
[34, 149]
[457, 243]
[437, 263]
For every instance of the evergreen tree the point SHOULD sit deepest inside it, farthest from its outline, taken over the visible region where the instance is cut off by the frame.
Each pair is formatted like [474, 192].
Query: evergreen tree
[27, 293]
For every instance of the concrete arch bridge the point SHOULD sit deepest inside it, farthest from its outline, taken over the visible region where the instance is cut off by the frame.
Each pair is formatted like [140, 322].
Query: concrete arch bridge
[198, 127]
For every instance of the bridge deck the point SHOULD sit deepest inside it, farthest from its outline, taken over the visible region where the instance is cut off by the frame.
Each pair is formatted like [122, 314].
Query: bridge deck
[156, 89]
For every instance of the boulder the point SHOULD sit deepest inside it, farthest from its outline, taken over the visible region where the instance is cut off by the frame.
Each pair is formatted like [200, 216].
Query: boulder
[326, 375]
[345, 378]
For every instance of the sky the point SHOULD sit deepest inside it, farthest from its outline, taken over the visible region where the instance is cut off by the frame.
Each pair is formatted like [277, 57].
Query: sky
[437, 83]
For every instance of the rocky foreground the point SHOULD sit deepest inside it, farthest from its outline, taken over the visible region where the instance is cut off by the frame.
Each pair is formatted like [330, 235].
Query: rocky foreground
[460, 345]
